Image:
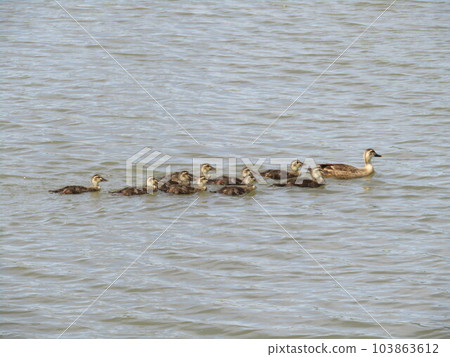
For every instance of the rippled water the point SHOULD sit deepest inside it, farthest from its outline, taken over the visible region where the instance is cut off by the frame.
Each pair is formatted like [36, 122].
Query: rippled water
[225, 71]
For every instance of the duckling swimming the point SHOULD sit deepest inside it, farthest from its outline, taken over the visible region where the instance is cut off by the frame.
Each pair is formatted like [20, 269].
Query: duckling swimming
[183, 179]
[152, 186]
[188, 190]
[73, 190]
[344, 171]
[278, 174]
[226, 180]
[239, 190]
[317, 180]
[204, 171]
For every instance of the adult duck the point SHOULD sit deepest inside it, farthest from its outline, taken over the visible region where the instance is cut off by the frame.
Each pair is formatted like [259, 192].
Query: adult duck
[344, 171]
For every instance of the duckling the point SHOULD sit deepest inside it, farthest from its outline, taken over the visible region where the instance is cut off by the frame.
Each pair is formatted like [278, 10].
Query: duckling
[183, 179]
[152, 186]
[226, 180]
[278, 174]
[317, 180]
[239, 190]
[204, 170]
[73, 190]
[187, 190]
[343, 171]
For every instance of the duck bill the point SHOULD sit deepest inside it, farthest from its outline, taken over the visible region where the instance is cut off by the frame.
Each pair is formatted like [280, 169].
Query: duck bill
[378, 155]
[103, 179]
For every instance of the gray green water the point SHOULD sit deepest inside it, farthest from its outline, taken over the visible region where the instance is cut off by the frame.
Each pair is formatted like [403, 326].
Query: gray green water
[225, 71]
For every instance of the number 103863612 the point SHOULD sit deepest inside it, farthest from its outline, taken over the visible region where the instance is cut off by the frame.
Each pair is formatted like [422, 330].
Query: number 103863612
[419, 348]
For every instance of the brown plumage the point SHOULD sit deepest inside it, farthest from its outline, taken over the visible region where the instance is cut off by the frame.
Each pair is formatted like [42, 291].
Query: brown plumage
[73, 190]
[304, 183]
[185, 190]
[317, 180]
[238, 190]
[183, 179]
[344, 171]
[227, 180]
[279, 174]
[176, 177]
[152, 186]
[130, 191]
[188, 190]
[204, 171]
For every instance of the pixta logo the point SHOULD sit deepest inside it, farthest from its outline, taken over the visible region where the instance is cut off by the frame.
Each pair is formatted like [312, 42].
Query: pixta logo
[143, 164]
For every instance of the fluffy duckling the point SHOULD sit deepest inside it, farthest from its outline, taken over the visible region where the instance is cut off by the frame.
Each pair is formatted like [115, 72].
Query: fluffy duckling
[183, 179]
[239, 190]
[278, 174]
[227, 180]
[152, 186]
[188, 190]
[204, 171]
[343, 171]
[73, 190]
[317, 180]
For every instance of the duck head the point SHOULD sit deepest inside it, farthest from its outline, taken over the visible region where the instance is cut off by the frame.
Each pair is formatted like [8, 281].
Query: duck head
[201, 182]
[369, 154]
[249, 179]
[152, 184]
[184, 177]
[205, 168]
[246, 172]
[296, 165]
[96, 179]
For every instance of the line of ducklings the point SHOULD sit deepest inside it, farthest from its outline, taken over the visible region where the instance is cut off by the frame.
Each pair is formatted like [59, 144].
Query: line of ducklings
[180, 182]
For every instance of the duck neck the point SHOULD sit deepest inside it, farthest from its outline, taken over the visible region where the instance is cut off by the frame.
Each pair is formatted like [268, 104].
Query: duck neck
[248, 183]
[206, 174]
[200, 185]
[368, 161]
[320, 180]
[369, 167]
[294, 167]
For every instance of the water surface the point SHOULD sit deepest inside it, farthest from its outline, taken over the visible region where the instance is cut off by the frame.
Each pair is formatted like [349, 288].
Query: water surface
[225, 71]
